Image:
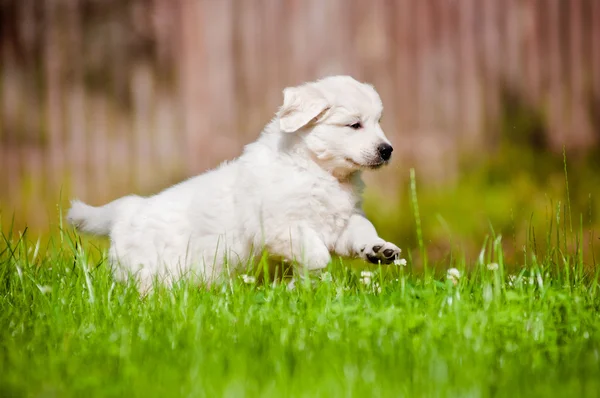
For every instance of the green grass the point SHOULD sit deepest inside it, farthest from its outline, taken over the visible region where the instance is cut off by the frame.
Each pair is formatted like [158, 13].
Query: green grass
[66, 329]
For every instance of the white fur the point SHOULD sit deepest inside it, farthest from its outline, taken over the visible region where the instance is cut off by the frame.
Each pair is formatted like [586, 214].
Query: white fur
[294, 192]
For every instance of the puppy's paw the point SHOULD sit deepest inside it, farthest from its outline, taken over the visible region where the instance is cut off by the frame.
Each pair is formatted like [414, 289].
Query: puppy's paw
[380, 252]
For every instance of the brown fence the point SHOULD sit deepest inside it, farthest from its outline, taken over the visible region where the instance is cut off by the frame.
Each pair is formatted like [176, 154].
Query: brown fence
[102, 98]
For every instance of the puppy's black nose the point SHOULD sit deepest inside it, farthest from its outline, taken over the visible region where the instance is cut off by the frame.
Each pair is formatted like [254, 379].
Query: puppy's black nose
[385, 151]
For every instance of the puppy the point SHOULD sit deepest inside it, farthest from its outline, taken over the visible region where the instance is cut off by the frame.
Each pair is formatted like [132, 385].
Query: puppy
[295, 192]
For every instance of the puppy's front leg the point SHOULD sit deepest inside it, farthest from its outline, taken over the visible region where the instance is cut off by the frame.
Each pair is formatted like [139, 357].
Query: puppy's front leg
[360, 238]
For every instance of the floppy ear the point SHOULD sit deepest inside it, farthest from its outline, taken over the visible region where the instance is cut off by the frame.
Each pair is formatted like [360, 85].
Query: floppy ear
[300, 106]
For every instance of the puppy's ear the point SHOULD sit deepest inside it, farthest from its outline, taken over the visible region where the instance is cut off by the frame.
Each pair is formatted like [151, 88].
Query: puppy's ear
[300, 106]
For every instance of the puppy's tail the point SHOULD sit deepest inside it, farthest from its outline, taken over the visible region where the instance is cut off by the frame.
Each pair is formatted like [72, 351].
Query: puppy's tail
[97, 220]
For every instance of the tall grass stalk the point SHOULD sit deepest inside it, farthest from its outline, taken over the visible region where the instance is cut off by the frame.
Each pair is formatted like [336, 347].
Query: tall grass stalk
[417, 216]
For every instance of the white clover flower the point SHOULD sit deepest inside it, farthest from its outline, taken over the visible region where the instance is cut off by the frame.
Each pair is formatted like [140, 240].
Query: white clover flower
[511, 280]
[453, 275]
[248, 279]
[400, 261]
[326, 277]
[376, 288]
[492, 266]
[365, 277]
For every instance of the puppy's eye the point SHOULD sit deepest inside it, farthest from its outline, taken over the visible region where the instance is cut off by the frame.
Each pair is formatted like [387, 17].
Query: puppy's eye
[355, 126]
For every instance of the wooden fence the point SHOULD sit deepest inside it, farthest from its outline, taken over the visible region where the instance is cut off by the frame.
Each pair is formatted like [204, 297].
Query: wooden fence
[103, 98]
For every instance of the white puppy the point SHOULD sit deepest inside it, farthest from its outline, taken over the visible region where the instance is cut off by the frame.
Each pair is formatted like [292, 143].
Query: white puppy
[294, 192]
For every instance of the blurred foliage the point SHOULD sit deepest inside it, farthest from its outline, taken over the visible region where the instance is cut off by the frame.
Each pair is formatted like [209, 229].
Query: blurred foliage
[510, 193]
[521, 189]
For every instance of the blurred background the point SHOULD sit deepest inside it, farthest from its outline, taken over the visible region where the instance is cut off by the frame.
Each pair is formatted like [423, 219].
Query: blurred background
[101, 98]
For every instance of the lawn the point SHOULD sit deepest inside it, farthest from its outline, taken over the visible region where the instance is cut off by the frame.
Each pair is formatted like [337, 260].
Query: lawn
[67, 330]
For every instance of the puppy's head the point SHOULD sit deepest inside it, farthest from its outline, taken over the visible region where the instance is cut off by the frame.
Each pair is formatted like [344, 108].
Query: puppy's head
[337, 119]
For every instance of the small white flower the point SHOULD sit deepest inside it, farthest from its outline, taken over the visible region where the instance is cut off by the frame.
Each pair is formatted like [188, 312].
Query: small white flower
[248, 279]
[453, 275]
[511, 280]
[492, 266]
[376, 288]
[326, 277]
[365, 277]
[400, 261]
